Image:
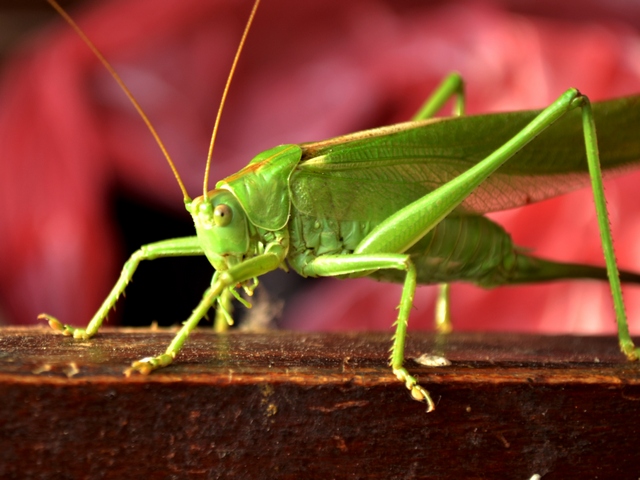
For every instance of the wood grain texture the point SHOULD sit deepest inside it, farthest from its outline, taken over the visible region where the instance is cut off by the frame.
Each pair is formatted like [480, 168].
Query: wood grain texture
[315, 405]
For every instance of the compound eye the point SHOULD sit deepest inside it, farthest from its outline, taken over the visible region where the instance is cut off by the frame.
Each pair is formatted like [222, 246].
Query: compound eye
[222, 215]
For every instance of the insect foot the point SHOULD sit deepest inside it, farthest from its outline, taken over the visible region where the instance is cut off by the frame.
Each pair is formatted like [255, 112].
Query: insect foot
[146, 365]
[417, 392]
[79, 333]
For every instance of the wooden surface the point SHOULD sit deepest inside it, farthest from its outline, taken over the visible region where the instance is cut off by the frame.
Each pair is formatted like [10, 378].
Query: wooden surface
[298, 405]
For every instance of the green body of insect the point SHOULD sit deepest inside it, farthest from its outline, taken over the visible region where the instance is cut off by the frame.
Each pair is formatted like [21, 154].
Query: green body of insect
[403, 204]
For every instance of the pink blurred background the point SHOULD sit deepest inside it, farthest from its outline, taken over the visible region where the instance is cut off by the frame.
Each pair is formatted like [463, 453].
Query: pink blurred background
[72, 145]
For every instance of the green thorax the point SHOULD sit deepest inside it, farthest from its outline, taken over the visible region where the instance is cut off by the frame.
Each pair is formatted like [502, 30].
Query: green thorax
[262, 187]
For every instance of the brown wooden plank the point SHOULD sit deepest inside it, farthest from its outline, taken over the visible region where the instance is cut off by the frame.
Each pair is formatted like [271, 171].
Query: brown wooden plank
[316, 405]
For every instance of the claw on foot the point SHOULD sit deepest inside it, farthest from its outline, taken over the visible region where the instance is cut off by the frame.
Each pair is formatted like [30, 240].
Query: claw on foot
[146, 365]
[634, 355]
[57, 325]
[629, 350]
[52, 321]
[417, 392]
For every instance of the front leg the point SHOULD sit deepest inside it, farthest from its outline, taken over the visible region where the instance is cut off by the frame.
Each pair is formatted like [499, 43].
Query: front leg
[222, 281]
[177, 247]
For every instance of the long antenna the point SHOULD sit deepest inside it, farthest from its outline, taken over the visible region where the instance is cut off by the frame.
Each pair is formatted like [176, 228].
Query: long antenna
[205, 186]
[127, 92]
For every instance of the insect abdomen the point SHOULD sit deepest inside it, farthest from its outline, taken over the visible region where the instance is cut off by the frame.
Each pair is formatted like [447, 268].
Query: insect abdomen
[461, 248]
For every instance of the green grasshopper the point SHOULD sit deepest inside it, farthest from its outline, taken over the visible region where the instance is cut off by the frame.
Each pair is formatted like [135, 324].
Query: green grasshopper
[402, 203]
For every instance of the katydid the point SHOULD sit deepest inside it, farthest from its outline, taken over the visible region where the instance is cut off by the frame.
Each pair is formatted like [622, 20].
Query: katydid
[402, 203]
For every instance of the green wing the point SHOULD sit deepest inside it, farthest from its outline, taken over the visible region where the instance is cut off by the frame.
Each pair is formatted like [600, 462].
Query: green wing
[369, 175]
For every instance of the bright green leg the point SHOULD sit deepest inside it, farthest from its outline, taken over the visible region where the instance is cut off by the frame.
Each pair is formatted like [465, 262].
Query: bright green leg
[397, 348]
[225, 280]
[407, 226]
[177, 247]
[331, 265]
[224, 311]
[593, 158]
[404, 228]
[451, 86]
